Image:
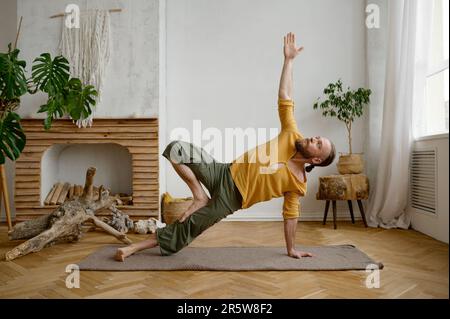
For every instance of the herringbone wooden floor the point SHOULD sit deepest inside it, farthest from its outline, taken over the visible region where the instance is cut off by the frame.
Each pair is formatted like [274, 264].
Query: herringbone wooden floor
[416, 266]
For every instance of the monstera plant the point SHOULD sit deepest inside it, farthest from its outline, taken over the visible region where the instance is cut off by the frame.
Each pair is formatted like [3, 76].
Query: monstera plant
[65, 96]
[13, 84]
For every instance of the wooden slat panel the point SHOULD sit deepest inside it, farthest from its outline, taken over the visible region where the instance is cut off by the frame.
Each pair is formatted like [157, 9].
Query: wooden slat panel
[30, 157]
[35, 149]
[134, 215]
[28, 178]
[152, 196]
[98, 122]
[26, 185]
[94, 136]
[145, 187]
[145, 181]
[143, 150]
[145, 157]
[28, 165]
[27, 191]
[29, 212]
[27, 171]
[146, 176]
[26, 198]
[150, 193]
[137, 163]
[139, 136]
[53, 207]
[145, 200]
[143, 130]
[124, 142]
[141, 169]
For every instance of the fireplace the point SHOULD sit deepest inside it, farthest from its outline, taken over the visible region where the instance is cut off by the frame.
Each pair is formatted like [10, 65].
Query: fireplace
[133, 142]
[63, 163]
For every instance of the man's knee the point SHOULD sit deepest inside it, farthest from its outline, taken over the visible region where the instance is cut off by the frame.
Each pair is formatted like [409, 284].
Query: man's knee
[171, 145]
[171, 152]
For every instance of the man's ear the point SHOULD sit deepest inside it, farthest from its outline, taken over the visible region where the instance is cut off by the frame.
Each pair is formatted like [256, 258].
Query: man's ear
[316, 160]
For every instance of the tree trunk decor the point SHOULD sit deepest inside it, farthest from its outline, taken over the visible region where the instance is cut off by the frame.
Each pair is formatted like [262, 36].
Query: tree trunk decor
[66, 223]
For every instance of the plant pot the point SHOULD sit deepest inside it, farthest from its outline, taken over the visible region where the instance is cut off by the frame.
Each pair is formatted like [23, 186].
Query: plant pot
[350, 164]
[173, 208]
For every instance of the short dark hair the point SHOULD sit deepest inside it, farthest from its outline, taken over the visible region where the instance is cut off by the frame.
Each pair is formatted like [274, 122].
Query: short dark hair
[325, 162]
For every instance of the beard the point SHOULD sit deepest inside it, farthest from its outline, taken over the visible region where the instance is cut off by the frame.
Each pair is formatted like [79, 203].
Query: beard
[301, 147]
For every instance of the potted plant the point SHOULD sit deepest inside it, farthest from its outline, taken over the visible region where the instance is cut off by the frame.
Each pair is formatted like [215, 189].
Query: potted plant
[65, 96]
[346, 106]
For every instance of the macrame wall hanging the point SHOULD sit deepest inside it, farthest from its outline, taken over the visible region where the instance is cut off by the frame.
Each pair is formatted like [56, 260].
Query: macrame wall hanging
[88, 50]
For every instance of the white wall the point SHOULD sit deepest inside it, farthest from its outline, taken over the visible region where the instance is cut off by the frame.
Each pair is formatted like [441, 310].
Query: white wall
[162, 96]
[8, 23]
[131, 84]
[224, 61]
[435, 225]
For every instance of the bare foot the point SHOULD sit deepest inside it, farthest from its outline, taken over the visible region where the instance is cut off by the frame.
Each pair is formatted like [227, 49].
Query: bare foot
[196, 205]
[123, 253]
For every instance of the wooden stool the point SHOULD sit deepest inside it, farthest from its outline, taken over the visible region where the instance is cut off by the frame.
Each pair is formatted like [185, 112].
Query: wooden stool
[4, 192]
[343, 187]
[361, 210]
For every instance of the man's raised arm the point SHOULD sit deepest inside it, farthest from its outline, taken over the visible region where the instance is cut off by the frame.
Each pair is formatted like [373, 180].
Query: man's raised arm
[290, 52]
[285, 102]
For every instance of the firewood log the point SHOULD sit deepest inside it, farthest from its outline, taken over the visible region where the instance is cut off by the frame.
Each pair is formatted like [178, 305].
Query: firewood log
[63, 194]
[71, 191]
[55, 196]
[50, 195]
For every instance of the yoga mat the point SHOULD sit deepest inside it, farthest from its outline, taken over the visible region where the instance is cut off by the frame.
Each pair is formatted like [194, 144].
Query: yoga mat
[339, 257]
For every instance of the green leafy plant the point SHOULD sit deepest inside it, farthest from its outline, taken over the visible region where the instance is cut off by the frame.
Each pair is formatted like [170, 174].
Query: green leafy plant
[65, 96]
[12, 138]
[13, 84]
[345, 105]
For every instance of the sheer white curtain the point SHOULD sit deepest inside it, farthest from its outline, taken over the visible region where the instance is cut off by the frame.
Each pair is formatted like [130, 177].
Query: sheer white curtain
[408, 30]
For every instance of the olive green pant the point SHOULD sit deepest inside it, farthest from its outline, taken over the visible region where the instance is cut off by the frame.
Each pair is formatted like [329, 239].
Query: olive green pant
[216, 177]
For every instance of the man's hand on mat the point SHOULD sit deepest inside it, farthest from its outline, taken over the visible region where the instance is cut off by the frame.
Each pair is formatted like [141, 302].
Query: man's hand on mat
[299, 254]
[290, 50]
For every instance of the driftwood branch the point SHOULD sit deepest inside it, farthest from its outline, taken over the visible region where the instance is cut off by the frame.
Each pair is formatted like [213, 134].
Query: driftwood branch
[120, 236]
[66, 223]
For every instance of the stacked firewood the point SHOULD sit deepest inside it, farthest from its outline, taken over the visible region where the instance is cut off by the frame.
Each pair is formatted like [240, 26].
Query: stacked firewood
[62, 192]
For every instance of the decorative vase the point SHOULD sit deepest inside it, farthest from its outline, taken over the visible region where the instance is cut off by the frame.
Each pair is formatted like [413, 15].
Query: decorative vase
[350, 164]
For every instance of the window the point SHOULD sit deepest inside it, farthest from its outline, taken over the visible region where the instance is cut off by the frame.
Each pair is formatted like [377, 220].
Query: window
[436, 119]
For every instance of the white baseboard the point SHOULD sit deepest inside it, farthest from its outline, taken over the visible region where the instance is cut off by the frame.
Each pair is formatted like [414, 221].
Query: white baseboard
[305, 216]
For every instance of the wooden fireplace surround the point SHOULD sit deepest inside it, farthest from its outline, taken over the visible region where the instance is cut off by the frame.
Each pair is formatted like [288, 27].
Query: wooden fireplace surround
[138, 136]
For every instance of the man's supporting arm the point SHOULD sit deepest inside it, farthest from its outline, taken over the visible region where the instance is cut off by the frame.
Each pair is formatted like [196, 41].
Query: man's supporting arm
[290, 226]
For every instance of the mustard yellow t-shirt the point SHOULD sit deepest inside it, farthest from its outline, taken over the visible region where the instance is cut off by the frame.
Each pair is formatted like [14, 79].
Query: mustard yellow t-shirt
[262, 173]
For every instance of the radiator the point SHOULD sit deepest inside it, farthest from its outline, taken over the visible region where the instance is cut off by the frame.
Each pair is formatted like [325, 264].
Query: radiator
[423, 180]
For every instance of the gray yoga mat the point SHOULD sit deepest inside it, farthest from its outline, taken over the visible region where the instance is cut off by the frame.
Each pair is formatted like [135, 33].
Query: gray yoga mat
[339, 257]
